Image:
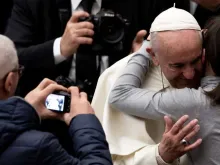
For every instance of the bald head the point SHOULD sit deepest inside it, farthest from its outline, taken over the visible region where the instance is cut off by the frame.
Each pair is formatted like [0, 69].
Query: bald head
[170, 42]
[8, 56]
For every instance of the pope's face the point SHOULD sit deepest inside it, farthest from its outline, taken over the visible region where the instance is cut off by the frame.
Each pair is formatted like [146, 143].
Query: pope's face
[180, 57]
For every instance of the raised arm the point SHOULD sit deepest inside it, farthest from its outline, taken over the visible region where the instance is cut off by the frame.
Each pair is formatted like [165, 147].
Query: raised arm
[128, 96]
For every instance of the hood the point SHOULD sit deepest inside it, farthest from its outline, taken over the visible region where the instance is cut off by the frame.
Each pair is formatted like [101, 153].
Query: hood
[16, 116]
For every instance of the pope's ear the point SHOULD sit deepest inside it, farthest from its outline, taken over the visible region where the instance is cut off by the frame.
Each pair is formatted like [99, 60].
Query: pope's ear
[153, 56]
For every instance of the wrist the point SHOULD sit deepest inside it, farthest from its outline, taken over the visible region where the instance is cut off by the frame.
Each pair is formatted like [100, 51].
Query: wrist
[65, 49]
[32, 105]
[164, 156]
[68, 119]
[63, 52]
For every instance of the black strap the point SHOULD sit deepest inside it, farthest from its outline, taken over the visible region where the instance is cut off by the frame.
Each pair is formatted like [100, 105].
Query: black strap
[87, 72]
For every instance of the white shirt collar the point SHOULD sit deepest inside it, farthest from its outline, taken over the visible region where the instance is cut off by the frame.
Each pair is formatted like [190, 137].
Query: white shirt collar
[76, 3]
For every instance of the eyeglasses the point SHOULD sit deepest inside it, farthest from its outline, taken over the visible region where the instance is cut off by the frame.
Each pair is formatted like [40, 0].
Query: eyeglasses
[20, 70]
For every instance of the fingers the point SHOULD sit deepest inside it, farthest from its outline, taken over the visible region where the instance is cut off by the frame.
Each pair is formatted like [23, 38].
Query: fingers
[168, 123]
[74, 93]
[192, 133]
[83, 95]
[51, 88]
[84, 40]
[179, 124]
[44, 83]
[187, 129]
[193, 146]
[85, 32]
[140, 36]
[75, 17]
[84, 25]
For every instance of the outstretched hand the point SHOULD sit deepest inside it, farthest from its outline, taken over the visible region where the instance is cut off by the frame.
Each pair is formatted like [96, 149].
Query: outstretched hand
[172, 145]
[138, 40]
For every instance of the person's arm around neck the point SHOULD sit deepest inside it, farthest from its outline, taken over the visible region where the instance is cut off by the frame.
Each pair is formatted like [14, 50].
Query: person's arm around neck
[128, 96]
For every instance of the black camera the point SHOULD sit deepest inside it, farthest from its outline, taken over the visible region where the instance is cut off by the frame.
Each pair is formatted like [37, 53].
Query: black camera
[65, 81]
[59, 101]
[110, 30]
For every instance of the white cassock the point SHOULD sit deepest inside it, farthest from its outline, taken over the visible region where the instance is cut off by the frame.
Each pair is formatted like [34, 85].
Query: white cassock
[132, 140]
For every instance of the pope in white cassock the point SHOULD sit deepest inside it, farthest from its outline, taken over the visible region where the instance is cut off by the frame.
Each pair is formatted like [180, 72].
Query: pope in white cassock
[132, 140]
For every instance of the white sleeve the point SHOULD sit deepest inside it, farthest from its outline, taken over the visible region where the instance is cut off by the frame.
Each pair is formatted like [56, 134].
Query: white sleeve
[56, 51]
[160, 160]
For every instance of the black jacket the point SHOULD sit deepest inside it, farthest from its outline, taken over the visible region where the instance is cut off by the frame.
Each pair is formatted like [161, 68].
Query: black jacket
[22, 144]
[5, 12]
[35, 24]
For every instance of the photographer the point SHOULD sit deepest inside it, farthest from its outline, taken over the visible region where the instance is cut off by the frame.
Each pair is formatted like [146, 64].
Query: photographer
[47, 34]
[21, 142]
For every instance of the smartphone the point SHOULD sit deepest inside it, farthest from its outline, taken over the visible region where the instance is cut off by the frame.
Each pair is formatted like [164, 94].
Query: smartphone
[58, 102]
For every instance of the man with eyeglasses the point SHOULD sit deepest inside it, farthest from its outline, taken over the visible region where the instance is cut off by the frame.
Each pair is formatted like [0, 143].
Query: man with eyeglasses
[22, 142]
[10, 71]
[6, 81]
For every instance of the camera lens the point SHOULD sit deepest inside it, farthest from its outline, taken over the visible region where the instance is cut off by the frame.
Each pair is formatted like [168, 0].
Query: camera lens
[112, 30]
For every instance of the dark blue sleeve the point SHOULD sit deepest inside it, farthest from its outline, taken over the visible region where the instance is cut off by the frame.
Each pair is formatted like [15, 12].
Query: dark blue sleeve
[89, 145]
[89, 142]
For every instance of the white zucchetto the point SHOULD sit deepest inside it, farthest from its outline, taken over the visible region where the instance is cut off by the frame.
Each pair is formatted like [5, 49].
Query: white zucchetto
[174, 19]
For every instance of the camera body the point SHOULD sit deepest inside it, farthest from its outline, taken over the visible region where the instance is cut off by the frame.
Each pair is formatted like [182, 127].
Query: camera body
[109, 32]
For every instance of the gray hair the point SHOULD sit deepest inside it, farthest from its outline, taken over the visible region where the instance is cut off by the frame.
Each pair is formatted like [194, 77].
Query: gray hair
[8, 56]
[154, 36]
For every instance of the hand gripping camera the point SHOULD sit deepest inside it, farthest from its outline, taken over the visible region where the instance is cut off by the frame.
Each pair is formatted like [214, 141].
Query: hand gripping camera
[110, 30]
[59, 101]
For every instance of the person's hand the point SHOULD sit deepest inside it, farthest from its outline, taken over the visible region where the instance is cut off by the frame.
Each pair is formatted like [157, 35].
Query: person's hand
[172, 146]
[37, 98]
[75, 34]
[79, 105]
[137, 42]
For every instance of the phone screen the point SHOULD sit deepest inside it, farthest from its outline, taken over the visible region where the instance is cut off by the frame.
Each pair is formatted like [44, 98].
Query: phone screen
[55, 102]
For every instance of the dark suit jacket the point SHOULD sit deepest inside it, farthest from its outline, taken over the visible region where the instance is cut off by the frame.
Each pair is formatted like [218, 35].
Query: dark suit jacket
[35, 24]
[5, 12]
